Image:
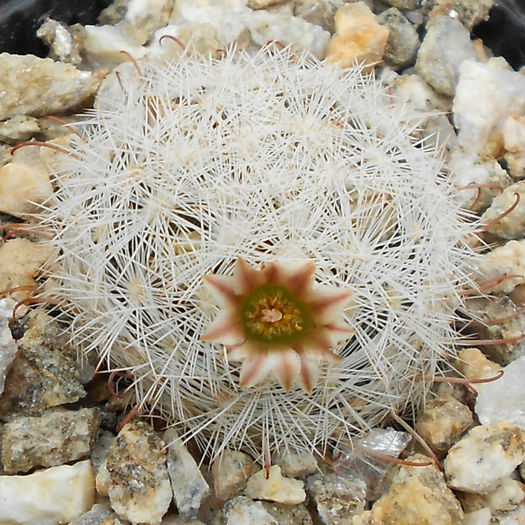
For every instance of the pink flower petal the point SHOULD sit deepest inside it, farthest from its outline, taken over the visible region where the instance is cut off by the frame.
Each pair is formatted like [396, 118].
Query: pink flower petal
[225, 329]
[286, 366]
[328, 305]
[310, 369]
[221, 287]
[245, 277]
[255, 369]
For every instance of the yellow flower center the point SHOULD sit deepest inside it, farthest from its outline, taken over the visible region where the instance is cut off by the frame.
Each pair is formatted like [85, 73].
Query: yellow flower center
[272, 314]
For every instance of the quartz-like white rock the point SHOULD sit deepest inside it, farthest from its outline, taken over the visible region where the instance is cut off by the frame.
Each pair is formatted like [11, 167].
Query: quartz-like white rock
[18, 128]
[486, 95]
[503, 399]
[294, 465]
[47, 497]
[484, 457]
[187, 481]
[513, 225]
[474, 364]
[8, 346]
[514, 142]
[275, 487]
[440, 64]
[477, 180]
[318, 12]
[359, 38]
[508, 259]
[468, 12]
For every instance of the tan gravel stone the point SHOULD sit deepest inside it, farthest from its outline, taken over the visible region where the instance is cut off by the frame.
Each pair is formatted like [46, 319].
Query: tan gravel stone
[275, 487]
[139, 487]
[442, 423]
[417, 495]
[39, 86]
[474, 364]
[231, 472]
[359, 38]
[514, 143]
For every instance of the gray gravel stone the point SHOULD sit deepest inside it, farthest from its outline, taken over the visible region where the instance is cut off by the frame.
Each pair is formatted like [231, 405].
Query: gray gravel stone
[231, 472]
[53, 439]
[187, 482]
[244, 511]
[403, 41]
[8, 346]
[439, 64]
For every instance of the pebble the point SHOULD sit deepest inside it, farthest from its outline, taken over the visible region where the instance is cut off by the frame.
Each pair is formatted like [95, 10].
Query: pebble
[439, 65]
[468, 12]
[478, 517]
[231, 472]
[289, 514]
[359, 38]
[275, 487]
[8, 346]
[504, 498]
[135, 475]
[502, 400]
[484, 457]
[417, 495]
[337, 497]
[187, 482]
[513, 225]
[18, 128]
[55, 438]
[404, 4]
[62, 43]
[262, 4]
[486, 95]
[499, 319]
[24, 185]
[442, 422]
[508, 259]
[98, 515]
[144, 17]
[469, 170]
[44, 373]
[295, 465]
[318, 12]
[47, 497]
[514, 143]
[244, 511]
[20, 260]
[39, 86]
[474, 364]
[403, 41]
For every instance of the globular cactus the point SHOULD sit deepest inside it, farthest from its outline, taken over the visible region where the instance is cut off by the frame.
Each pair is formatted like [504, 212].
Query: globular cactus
[268, 172]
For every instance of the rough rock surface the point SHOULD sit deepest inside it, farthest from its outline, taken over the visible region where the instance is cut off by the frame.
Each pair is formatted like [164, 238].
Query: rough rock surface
[337, 497]
[484, 457]
[39, 86]
[53, 439]
[275, 487]
[359, 38]
[417, 495]
[187, 482]
[439, 65]
[47, 497]
[514, 143]
[231, 472]
[294, 465]
[136, 476]
[244, 511]
[8, 346]
[44, 373]
[442, 422]
[486, 95]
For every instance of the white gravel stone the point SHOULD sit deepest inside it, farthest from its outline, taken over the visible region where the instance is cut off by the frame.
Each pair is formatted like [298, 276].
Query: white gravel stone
[513, 225]
[438, 64]
[508, 259]
[514, 142]
[47, 497]
[486, 95]
[503, 400]
[187, 481]
[18, 128]
[484, 457]
[276, 487]
[478, 517]
[318, 12]
[468, 170]
[8, 346]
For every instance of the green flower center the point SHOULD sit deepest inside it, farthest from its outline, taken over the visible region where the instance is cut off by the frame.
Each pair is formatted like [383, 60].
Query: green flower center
[272, 314]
